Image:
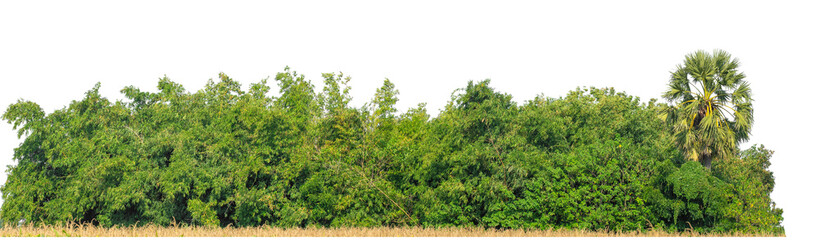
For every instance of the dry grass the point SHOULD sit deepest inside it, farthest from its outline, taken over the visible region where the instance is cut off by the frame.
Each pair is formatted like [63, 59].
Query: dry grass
[75, 230]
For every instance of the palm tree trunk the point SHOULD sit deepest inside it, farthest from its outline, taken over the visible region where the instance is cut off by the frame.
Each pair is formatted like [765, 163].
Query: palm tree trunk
[706, 161]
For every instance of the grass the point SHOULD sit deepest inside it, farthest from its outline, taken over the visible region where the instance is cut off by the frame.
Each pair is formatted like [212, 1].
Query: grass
[76, 230]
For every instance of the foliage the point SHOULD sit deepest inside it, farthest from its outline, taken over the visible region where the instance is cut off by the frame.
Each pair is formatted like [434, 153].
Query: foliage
[185, 230]
[751, 185]
[594, 159]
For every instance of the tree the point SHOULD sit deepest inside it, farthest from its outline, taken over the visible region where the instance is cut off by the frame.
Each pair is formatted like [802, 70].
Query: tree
[712, 110]
[752, 182]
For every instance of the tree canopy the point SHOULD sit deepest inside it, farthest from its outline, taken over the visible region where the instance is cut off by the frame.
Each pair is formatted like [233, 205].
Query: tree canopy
[223, 155]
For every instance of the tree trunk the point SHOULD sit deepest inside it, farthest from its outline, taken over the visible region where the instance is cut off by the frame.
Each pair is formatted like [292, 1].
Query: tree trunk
[706, 161]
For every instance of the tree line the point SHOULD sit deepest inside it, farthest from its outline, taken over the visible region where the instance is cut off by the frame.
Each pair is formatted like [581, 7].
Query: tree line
[227, 156]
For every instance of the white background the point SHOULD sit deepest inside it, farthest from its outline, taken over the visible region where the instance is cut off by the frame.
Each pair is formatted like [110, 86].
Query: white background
[52, 52]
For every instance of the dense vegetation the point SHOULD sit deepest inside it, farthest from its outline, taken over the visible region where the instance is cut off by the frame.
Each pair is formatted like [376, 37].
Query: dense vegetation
[593, 159]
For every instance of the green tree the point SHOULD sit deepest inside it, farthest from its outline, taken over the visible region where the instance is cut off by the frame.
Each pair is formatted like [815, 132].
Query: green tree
[752, 183]
[712, 110]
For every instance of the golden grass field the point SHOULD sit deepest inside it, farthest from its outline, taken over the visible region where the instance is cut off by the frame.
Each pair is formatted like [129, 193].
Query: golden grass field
[75, 230]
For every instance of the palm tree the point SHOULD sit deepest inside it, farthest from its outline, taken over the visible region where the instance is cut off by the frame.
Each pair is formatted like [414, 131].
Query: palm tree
[711, 106]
